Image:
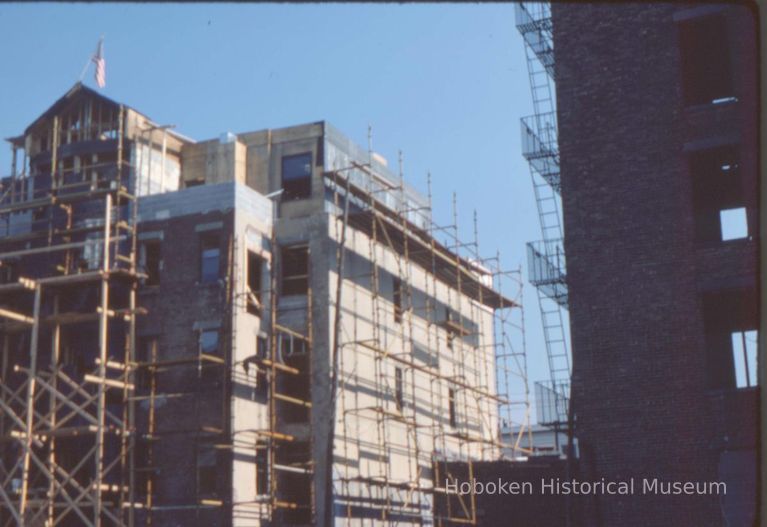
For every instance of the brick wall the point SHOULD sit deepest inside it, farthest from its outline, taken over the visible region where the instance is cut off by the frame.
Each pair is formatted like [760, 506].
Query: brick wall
[636, 273]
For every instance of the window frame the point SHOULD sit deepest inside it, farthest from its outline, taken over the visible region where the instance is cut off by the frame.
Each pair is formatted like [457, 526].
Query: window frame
[302, 279]
[209, 242]
[296, 186]
[697, 41]
[153, 278]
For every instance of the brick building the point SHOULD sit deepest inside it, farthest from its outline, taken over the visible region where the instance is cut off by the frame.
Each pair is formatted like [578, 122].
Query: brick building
[172, 349]
[657, 108]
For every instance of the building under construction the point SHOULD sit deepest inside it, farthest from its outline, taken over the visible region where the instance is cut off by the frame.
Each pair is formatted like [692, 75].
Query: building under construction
[265, 328]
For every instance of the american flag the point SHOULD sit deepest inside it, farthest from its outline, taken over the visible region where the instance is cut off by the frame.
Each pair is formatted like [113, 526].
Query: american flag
[101, 66]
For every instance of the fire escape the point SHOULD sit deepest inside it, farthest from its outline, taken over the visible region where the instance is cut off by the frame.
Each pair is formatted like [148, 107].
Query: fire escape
[546, 257]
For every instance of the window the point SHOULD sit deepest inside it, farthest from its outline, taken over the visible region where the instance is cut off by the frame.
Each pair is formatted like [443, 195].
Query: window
[143, 468]
[8, 272]
[295, 270]
[705, 60]
[93, 251]
[262, 381]
[290, 344]
[451, 406]
[734, 223]
[209, 342]
[262, 348]
[397, 296]
[150, 260]
[424, 355]
[399, 394]
[744, 358]
[210, 256]
[297, 176]
[147, 351]
[718, 195]
[206, 470]
[255, 267]
[730, 321]
[262, 469]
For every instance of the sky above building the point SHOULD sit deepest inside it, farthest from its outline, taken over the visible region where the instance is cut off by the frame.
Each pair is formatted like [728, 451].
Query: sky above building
[445, 84]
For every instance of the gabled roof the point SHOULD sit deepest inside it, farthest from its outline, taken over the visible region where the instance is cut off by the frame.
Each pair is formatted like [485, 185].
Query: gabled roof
[79, 90]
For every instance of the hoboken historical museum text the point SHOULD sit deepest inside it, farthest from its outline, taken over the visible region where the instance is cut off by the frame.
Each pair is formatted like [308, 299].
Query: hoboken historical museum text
[557, 486]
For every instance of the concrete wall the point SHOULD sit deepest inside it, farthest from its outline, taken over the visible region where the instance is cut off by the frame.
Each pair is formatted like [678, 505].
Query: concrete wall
[374, 438]
[370, 440]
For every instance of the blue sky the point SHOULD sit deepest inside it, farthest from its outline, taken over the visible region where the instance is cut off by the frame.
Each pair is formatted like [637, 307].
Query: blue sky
[446, 84]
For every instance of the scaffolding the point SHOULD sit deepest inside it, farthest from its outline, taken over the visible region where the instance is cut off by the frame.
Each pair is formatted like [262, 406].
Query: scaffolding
[66, 423]
[546, 257]
[426, 348]
[418, 384]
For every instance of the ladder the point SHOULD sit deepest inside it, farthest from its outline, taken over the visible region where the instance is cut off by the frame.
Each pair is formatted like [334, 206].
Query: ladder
[540, 148]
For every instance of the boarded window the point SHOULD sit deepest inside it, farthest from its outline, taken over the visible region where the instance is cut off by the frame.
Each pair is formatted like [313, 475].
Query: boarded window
[705, 56]
[297, 176]
[210, 258]
[295, 270]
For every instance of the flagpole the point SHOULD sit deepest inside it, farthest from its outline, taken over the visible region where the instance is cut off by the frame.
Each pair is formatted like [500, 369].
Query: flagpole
[85, 69]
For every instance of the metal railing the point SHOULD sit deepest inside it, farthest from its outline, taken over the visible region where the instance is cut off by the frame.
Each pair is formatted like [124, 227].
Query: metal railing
[547, 268]
[533, 20]
[552, 400]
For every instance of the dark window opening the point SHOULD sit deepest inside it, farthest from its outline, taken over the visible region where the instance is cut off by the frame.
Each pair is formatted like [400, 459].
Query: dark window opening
[8, 272]
[261, 391]
[210, 258]
[262, 469]
[39, 214]
[262, 348]
[150, 260]
[147, 352]
[143, 470]
[705, 60]
[295, 270]
[730, 319]
[194, 182]
[399, 393]
[297, 176]
[206, 470]
[451, 406]
[397, 295]
[255, 268]
[719, 202]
